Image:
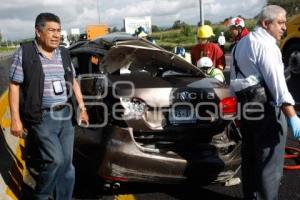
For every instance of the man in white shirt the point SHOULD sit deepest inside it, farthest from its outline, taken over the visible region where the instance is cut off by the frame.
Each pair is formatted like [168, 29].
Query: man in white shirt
[263, 140]
[222, 41]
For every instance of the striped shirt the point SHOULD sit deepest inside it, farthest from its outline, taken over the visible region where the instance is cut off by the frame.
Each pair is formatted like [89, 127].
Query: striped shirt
[53, 70]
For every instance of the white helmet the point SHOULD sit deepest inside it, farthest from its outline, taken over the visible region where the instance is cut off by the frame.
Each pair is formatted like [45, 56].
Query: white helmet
[236, 21]
[204, 62]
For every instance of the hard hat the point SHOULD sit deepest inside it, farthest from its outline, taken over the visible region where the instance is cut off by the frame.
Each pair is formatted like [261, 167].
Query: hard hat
[236, 21]
[180, 51]
[141, 32]
[205, 31]
[204, 62]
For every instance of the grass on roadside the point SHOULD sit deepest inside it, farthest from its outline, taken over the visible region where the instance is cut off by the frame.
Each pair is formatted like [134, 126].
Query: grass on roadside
[187, 37]
[7, 49]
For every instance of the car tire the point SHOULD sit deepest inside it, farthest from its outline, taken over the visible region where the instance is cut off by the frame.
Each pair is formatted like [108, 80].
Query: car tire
[291, 58]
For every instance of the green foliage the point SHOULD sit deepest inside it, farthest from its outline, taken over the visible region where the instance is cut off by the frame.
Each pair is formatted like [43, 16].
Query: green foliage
[178, 24]
[114, 29]
[186, 35]
[7, 49]
[207, 22]
[186, 30]
[291, 6]
[250, 24]
[155, 28]
[217, 31]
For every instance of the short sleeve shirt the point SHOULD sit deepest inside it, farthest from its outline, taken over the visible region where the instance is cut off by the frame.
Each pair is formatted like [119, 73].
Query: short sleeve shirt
[53, 70]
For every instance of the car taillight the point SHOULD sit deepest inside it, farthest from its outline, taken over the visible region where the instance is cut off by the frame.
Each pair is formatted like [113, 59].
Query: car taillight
[228, 106]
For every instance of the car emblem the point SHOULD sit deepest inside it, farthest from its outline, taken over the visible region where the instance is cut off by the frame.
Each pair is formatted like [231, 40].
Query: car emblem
[185, 96]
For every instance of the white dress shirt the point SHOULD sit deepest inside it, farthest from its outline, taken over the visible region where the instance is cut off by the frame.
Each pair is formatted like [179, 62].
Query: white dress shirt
[221, 40]
[259, 58]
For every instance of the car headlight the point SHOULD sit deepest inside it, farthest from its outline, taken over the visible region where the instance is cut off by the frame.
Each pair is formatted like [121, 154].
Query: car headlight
[134, 108]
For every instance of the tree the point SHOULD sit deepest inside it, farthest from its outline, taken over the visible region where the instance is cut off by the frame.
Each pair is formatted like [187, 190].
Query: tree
[291, 6]
[115, 29]
[155, 28]
[0, 36]
[186, 30]
[206, 22]
[178, 24]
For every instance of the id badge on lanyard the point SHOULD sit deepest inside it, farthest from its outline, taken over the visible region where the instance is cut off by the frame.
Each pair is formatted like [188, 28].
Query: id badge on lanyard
[57, 87]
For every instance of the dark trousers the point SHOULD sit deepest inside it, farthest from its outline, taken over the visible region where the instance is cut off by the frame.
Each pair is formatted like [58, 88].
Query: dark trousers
[53, 141]
[263, 143]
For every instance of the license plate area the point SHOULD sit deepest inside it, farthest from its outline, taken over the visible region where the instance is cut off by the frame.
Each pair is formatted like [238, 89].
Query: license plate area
[182, 115]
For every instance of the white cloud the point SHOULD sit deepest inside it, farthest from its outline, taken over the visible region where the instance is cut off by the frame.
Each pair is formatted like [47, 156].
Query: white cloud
[17, 17]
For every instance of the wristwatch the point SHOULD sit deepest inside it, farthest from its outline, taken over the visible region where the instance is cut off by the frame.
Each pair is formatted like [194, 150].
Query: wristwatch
[82, 109]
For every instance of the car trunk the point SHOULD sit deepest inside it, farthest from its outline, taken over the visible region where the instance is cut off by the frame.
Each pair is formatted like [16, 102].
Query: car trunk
[171, 103]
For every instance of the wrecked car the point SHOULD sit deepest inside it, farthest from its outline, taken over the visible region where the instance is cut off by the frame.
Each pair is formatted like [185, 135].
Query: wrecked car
[154, 117]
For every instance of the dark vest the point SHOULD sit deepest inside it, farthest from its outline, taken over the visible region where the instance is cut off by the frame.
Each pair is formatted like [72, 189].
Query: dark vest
[32, 88]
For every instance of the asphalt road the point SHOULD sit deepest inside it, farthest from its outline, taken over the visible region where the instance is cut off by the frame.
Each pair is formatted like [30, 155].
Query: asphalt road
[289, 190]
[4, 62]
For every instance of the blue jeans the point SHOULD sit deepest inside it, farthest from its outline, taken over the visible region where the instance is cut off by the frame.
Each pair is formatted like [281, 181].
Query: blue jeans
[54, 139]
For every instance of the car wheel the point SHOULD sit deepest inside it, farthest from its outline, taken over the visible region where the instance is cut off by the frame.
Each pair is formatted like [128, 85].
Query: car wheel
[294, 62]
[291, 58]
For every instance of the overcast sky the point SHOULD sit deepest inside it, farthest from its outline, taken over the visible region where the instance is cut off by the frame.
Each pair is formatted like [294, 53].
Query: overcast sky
[17, 16]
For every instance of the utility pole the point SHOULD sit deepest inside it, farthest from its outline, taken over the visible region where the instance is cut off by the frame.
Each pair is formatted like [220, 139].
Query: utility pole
[98, 10]
[201, 13]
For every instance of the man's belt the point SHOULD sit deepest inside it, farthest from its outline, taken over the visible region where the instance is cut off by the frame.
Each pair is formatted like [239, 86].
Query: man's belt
[55, 108]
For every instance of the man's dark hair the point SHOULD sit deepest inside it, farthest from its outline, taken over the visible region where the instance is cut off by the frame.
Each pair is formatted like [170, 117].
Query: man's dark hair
[42, 18]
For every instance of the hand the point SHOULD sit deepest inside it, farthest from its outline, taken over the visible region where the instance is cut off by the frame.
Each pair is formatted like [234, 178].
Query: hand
[83, 118]
[221, 67]
[16, 128]
[294, 124]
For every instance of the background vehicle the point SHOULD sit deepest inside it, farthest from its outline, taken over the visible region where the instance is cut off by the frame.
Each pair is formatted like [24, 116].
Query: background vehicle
[154, 117]
[74, 35]
[64, 39]
[290, 46]
[96, 30]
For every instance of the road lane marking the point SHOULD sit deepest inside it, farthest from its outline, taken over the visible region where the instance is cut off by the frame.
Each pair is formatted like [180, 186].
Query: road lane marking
[3, 108]
[124, 197]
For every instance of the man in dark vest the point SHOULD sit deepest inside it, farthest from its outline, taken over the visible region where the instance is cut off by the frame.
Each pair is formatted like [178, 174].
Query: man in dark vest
[42, 84]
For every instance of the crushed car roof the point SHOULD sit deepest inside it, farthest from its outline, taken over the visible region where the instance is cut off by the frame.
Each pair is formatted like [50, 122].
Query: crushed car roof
[123, 49]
